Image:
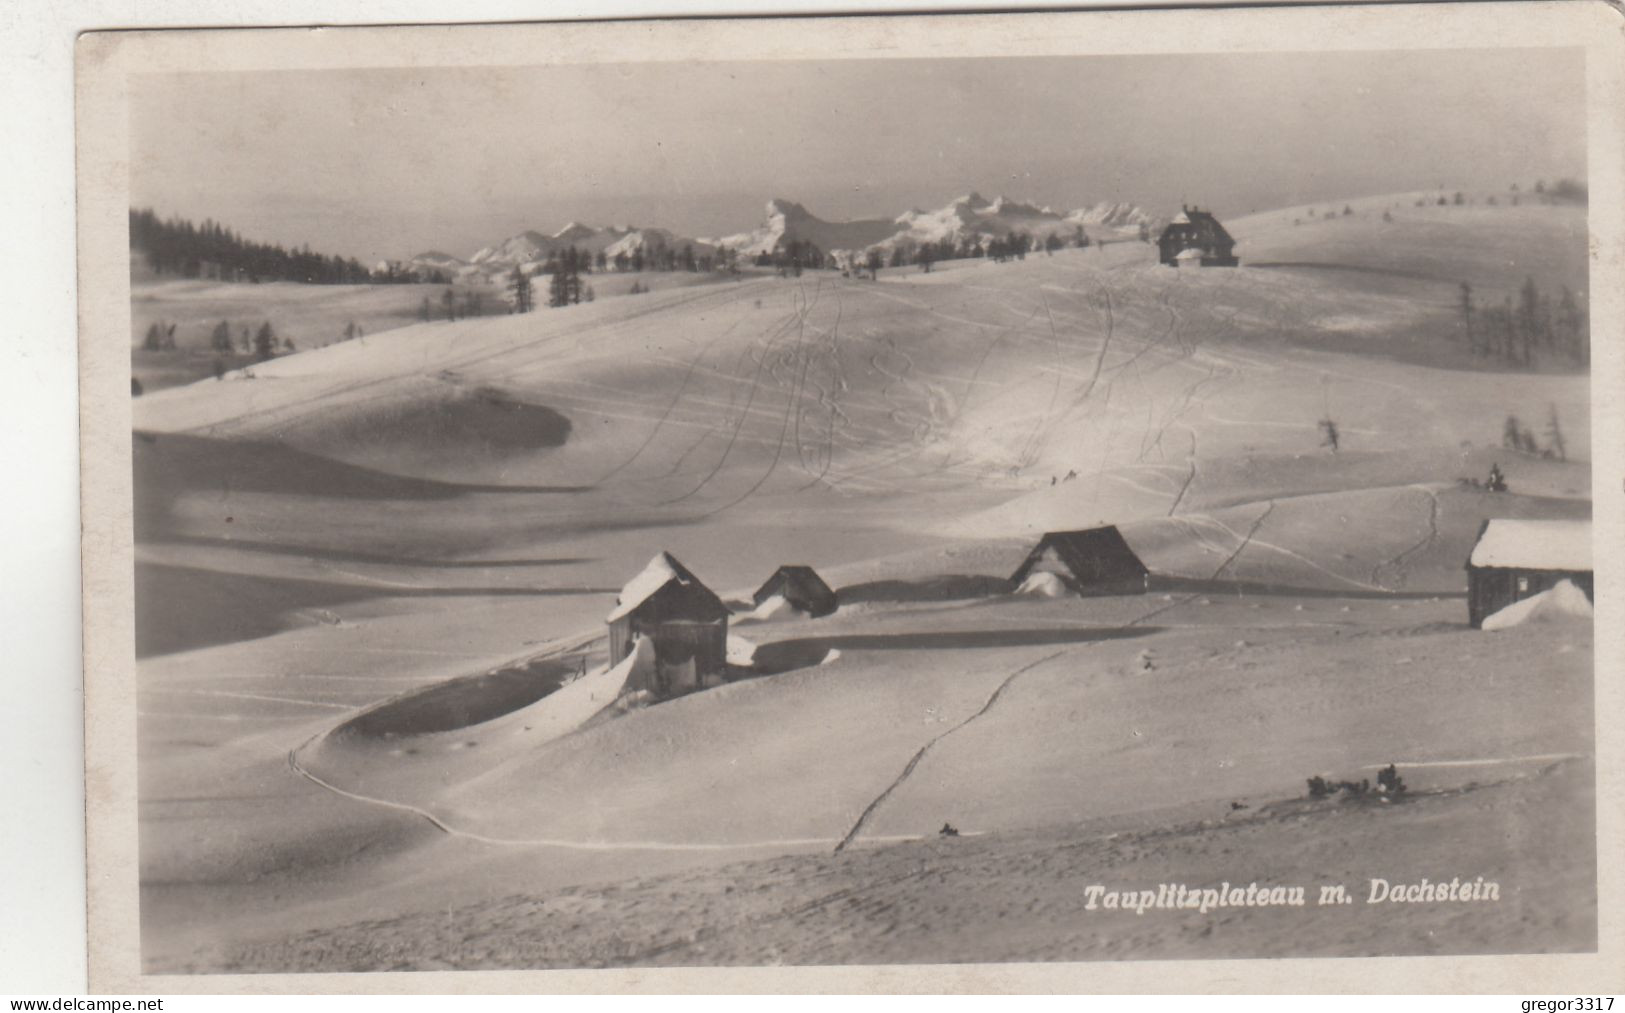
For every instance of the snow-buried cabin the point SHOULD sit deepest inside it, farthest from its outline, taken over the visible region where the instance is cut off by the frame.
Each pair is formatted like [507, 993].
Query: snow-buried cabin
[802, 587]
[1517, 559]
[1094, 561]
[1196, 237]
[685, 620]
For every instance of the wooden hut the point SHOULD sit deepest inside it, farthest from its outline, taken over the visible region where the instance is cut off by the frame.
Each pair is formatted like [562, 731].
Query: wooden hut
[802, 587]
[1197, 230]
[686, 621]
[1514, 559]
[1093, 561]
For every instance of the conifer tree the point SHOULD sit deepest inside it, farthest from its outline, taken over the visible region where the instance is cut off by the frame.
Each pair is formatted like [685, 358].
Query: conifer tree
[1466, 307]
[1570, 326]
[1532, 322]
[1328, 434]
[565, 288]
[519, 282]
[1511, 433]
[265, 343]
[1554, 435]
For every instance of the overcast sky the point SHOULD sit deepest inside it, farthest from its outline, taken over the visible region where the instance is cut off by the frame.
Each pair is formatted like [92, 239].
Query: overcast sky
[389, 163]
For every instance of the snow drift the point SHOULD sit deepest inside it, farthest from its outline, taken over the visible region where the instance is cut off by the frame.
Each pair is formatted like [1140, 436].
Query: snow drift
[574, 704]
[775, 607]
[1563, 600]
[741, 652]
[1043, 585]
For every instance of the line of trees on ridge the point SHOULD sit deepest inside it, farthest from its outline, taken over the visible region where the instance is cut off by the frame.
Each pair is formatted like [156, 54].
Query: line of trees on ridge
[1532, 326]
[180, 247]
[1014, 245]
[565, 287]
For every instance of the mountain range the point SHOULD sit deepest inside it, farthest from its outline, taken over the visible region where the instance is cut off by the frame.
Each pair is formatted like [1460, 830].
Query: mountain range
[785, 221]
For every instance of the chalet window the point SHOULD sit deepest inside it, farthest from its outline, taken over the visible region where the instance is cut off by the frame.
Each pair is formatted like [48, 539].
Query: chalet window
[1523, 584]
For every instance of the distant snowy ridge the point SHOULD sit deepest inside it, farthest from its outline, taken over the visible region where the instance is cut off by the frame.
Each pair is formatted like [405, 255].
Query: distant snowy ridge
[786, 221]
[530, 250]
[966, 218]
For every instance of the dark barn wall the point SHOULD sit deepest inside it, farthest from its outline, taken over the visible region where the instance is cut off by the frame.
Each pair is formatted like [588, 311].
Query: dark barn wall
[1221, 254]
[1167, 246]
[687, 602]
[678, 643]
[1101, 570]
[1492, 588]
[620, 640]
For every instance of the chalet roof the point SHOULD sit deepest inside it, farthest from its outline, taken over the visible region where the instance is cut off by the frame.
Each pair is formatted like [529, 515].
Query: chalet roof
[798, 571]
[1196, 222]
[1534, 545]
[1104, 538]
[1082, 551]
[662, 570]
[800, 585]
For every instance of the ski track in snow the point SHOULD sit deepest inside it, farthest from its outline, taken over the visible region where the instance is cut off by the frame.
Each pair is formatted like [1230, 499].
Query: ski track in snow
[236, 695]
[914, 761]
[446, 827]
[682, 388]
[796, 322]
[791, 403]
[1490, 761]
[1398, 561]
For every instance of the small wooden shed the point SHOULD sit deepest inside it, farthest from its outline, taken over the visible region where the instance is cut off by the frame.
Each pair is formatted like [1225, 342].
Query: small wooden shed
[1095, 561]
[686, 621]
[1515, 559]
[802, 587]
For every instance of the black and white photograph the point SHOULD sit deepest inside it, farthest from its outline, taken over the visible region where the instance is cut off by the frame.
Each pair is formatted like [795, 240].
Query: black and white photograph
[1091, 489]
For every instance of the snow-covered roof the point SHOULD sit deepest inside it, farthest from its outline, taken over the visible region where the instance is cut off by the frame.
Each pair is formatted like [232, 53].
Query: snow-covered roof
[661, 571]
[1534, 545]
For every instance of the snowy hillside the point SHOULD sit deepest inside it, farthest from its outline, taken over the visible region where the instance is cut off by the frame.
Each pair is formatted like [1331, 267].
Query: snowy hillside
[442, 515]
